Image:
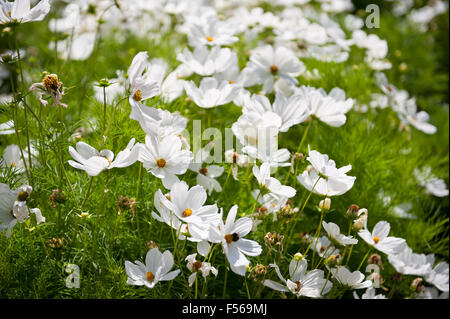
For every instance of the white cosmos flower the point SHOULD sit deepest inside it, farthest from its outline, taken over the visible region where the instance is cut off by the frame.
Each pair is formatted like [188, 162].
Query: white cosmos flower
[324, 247]
[12, 157]
[212, 32]
[236, 160]
[419, 120]
[197, 266]
[409, 263]
[262, 174]
[324, 178]
[439, 275]
[376, 48]
[156, 268]
[165, 159]
[379, 239]
[292, 111]
[94, 162]
[141, 86]
[188, 206]
[7, 128]
[267, 63]
[270, 202]
[432, 293]
[211, 93]
[235, 246]
[354, 280]
[14, 209]
[206, 174]
[166, 216]
[369, 294]
[301, 283]
[205, 62]
[334, 232]
[157, 122]
[329, 108]
[432, 184]
[20, 11]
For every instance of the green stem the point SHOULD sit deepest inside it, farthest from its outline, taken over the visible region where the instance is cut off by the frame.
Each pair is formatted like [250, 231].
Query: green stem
[87, 192]
[364, 259]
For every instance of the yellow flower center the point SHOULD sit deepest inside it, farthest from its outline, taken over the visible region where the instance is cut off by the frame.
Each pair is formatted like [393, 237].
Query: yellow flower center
[161, 162]
[274, 69]
[210, 39]
[9, 13]
[149, 276]
[137, 96]
[376, 239]
[187, 212]
[230, 82]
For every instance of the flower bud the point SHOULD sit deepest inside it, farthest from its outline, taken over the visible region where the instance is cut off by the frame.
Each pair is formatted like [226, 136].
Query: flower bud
[333, 260]
[309, 168]
[298, 257]
[325, 204]
[358, 225]
[417, 284]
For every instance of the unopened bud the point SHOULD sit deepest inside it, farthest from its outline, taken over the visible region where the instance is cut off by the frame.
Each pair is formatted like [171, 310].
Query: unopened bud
[358, 225]
[298, 257]
[325, 204]
[309, 168]
[333, 260]
[417, 284]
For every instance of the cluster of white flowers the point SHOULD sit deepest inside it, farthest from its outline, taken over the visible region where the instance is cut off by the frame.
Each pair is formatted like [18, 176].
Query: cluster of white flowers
[210, 76]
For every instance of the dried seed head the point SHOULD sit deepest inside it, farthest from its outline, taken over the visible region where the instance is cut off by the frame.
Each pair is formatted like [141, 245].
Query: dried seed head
[352, 211]
[51, 83]
[57, 197]
[196, 265]
[151, 244]
[203, 170]
[56, 242]
[375, 259]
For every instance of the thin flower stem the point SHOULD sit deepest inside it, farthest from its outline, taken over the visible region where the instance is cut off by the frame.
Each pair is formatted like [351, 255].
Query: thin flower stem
[24, 109]
[246, 288]
[254, 205]
[225, 184]
[302, 209]
[304, 136]
[196, 286]
[138, 186]
[104, 109]
[88, 191]
[326, 281]
[364, 259]
[225, 283]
